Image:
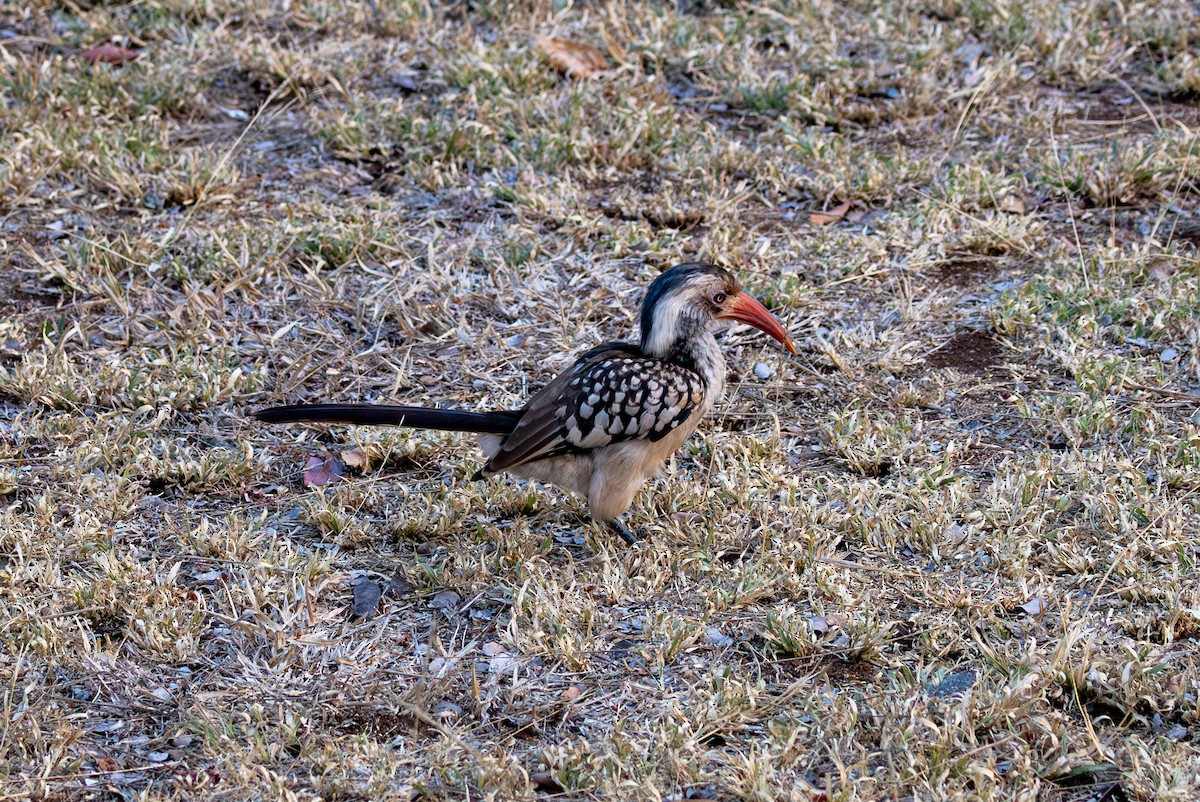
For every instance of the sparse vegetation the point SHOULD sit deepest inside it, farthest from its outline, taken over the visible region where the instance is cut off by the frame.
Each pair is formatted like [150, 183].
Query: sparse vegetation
[949, 552]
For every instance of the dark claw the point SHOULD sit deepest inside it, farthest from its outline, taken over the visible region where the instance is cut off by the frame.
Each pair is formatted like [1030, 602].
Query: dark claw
[622, 530]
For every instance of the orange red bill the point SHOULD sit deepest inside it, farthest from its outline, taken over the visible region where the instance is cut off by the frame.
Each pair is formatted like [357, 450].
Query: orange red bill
[746, 309]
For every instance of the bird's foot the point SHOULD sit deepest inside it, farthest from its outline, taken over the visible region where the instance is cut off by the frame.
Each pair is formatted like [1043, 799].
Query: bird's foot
[622, 530]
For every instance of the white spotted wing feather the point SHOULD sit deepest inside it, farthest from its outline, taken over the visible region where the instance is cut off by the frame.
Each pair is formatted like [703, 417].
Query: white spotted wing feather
[610, 395]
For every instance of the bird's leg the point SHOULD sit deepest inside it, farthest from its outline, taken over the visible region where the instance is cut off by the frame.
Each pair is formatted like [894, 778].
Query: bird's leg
[622, 530]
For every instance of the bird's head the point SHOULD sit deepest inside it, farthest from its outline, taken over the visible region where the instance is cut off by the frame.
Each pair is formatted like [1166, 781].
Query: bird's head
[693, 299]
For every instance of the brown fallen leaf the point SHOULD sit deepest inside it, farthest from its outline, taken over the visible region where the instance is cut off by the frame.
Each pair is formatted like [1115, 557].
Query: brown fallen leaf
[545, 781]
[109, 54]
[832, 216]
[105, 763]
[576, 59]
[318, 471]
[398, 587]
[356, 458]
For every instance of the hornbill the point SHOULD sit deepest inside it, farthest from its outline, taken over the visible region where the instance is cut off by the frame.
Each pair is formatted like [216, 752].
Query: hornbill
[607, 423]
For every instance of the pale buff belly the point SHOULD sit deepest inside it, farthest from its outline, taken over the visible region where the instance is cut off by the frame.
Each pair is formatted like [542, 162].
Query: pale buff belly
[608, 477]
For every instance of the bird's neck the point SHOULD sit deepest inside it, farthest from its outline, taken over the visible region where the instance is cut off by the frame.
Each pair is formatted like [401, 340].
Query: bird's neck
[696, 350]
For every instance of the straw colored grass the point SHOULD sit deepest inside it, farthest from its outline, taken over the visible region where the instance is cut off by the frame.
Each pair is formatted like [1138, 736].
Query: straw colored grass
[948, 552]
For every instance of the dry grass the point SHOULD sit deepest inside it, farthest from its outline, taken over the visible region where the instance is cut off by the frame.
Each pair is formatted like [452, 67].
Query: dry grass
[948, 552]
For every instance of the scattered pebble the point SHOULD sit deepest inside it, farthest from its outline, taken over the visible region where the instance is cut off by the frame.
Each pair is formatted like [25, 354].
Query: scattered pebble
[444, 600]
[366, 599]
[763, 371]
[954, 684]
[1169, 354]
[715, 637]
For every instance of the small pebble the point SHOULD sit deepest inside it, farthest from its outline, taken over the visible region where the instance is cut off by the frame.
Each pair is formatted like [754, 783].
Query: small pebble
[955, 684]
[447, 709]
[763, 371]
[1169, 355]
[716, 637]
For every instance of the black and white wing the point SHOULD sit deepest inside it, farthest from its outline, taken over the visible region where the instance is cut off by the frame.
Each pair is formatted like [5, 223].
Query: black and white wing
[610, 394]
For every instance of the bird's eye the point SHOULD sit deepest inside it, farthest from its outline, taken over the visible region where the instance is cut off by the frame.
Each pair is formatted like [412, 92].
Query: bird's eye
[719, 298]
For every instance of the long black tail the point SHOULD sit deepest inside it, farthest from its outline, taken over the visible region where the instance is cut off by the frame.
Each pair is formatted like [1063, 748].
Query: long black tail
[448, 420]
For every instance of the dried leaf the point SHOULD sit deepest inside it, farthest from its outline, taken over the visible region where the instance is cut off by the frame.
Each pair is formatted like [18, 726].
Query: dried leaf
[318, 472]
[544, 781]
[572, 693]
[492, 648]
[832, 216]
[366, 599]
[575, 59]
[210, 576]
[1035, 606]
[356, 458]
[824, 623]
[955, 535]
[502, 663]
[398, 587]
[109, 54]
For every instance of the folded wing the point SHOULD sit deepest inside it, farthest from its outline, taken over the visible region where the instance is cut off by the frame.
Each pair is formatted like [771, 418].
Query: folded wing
[610, 394]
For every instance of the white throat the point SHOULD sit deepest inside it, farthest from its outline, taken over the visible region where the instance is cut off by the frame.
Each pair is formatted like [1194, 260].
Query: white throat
[661, 338]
